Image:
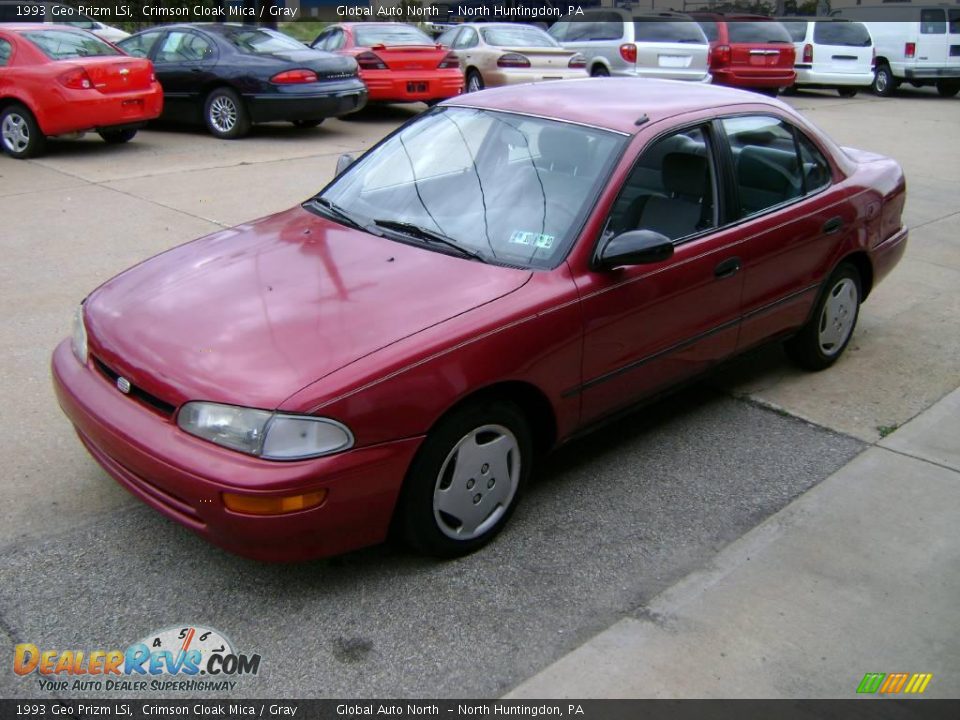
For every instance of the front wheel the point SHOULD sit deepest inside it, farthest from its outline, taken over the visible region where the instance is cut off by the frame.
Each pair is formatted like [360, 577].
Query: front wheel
[847, 92]
[466, 479]
[826, 335]
[225, 115]
[884, 83]
[117, 137]
[947, 88]
[19, 133]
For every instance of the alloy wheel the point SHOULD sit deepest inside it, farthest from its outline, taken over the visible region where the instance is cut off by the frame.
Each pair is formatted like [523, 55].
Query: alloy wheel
[838, 316]
[223, 114]
[15, 132]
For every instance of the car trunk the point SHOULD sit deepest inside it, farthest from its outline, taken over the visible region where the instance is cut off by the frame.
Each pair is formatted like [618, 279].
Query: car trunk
[671, 56]
[841, 48]
[410, 57]
[324, 64]
[116, 74]
[757, 45]
[543, 58]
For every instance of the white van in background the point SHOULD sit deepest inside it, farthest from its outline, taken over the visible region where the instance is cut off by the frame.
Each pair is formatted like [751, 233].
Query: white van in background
[918, 44]
[831, 53]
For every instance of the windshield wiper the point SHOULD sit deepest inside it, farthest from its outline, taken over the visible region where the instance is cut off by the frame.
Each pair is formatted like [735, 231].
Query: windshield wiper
[428, 235]
[339, 213]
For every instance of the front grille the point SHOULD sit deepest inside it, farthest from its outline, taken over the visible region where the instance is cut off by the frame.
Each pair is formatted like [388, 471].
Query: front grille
[138, 394]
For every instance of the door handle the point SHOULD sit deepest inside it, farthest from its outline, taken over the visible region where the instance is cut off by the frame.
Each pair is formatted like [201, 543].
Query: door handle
[727, 268]
[832, 225]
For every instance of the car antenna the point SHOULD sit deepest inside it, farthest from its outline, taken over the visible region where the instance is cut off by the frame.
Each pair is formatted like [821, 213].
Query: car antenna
[642, 120]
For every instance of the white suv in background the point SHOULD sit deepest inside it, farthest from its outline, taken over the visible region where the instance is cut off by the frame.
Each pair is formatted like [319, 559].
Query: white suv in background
[831, 53]
[624, 43]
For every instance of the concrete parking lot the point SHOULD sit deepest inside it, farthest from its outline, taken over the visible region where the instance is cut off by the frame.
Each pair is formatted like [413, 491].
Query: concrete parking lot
[613, 520]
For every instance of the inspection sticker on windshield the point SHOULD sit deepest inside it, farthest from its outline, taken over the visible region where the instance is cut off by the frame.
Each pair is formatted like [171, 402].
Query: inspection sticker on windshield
[538, 240]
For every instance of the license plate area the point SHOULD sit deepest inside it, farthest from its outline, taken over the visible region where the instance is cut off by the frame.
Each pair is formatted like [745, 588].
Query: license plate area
[416, 87]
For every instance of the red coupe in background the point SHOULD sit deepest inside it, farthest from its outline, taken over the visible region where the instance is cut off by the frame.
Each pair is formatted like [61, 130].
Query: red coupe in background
[749, 51]
[398, 63]
[58, 80]
[498, 275]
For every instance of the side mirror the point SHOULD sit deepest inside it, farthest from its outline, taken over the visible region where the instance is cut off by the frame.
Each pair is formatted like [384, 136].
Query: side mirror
[343, 162]
[635, 247]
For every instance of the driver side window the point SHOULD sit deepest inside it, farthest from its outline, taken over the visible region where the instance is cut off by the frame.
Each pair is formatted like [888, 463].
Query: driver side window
[670, 189]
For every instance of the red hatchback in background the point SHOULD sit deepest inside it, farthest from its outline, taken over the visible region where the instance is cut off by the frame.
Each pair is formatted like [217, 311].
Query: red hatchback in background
[748, 51]
[58, 80]
[398, 63]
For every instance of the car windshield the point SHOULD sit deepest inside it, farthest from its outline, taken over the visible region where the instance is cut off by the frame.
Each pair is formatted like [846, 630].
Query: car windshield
[511, 188]
[259, 41]
[850, 34]
[517, 36]
[758, 31]
[676, 31]
[391, 35]
[67, 44]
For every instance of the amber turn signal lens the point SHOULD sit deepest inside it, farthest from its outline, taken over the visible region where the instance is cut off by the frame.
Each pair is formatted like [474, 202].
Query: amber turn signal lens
[272, 505]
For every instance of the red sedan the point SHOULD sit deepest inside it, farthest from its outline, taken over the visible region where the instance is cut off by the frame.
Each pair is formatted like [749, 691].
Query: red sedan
[750, 51]
[57, 80]
[500, 274]
[398, 62]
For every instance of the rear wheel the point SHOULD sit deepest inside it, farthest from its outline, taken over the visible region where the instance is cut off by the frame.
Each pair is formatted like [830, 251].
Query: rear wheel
[116, 137]
[884, 83]
[947, 88]
[847, 92]
[466, 479]
[599, 71]
[823, 339]
[19, 133]
[225, 115]
[307, 123]
[474, 81]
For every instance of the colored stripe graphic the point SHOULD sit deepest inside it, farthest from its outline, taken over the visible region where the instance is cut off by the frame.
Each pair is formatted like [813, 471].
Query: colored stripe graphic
[918, 683]
[871, 682]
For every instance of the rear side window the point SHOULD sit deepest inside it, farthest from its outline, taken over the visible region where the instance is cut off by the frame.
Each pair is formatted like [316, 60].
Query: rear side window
[849, 34]
[765, 159]
[391, 35]
[816, 169]
[67, 45]
[758, 31]
[6, 50]
[954, 28]
[140, 45]
[933, 22]
[797, 29]
[669, 31]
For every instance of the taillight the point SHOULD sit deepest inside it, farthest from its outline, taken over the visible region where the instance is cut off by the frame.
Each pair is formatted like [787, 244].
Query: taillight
[720, 57]
[370, 61]
[910, 50]
[515, 60]
[76, 79]
[577, 61]
[628, 52]
[449, 62]
[292, 77]
[808, 53]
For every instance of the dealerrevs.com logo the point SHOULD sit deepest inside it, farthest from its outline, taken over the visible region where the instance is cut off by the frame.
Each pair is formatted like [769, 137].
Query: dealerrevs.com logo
[190, 658]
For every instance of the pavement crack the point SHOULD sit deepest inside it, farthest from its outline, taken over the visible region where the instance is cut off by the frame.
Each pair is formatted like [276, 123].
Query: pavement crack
[928, 461]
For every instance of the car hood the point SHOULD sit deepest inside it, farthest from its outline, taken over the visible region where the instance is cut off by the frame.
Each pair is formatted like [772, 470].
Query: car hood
[253, 314]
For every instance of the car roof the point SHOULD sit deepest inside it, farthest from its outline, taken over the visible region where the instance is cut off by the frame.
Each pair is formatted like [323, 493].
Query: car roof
[611, 103]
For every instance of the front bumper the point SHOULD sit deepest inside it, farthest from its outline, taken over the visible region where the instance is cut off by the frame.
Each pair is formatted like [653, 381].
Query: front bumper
[313, 101]
[183, 477]
[412, 86]
[82, 110]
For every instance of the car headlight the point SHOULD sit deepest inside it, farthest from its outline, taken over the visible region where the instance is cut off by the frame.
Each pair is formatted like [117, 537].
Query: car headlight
[269, 435]
[79, 342]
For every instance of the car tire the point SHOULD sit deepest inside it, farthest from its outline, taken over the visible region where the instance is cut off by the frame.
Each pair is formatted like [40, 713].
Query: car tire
[847, 92]
[307, 124]
[20, 136]
[474, 82]
[466, 479]
[884, 83]
[117, 137]
[826, 335]
[225, 115]
[948, 89]
[599, 71]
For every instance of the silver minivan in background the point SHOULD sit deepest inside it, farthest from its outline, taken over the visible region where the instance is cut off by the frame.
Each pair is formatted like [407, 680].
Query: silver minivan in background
[625, 43]
[831, 53]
